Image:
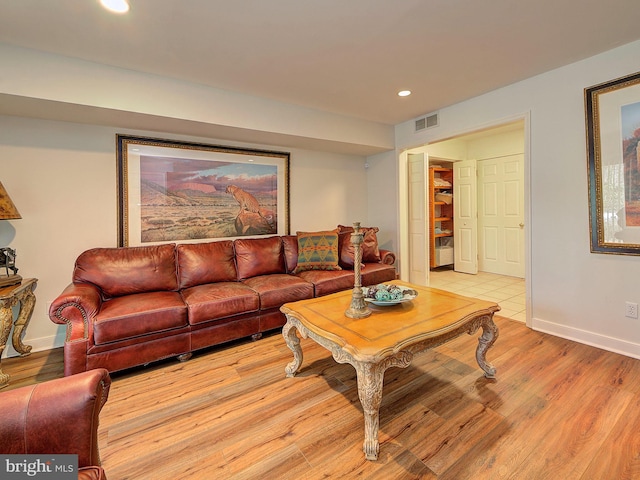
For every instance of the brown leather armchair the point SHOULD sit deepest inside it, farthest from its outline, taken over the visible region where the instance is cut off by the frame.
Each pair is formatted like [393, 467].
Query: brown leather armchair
[57, 417]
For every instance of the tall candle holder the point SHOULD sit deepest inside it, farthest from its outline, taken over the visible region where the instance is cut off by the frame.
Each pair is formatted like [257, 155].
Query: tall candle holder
[358, 307]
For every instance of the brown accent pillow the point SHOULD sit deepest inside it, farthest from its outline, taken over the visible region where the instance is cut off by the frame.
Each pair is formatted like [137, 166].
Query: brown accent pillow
[370, 249]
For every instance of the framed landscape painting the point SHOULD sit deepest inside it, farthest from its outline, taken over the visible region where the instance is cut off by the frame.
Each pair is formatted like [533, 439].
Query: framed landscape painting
[173, 191]
[613, 149]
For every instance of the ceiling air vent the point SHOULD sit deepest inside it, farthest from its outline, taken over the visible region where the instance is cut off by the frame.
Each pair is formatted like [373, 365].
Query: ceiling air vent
[429, 121]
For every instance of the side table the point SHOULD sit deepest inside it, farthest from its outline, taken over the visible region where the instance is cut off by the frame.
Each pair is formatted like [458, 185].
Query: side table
[9, 298]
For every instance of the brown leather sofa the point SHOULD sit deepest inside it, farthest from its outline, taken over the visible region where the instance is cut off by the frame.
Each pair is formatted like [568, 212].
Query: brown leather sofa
[57, 417]
[134, 305]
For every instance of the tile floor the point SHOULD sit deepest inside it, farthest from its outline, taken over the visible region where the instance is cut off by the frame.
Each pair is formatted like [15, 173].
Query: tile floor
[508, 292]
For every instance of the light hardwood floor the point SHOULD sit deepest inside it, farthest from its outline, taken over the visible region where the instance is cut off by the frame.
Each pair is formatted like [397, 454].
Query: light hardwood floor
[557, 410]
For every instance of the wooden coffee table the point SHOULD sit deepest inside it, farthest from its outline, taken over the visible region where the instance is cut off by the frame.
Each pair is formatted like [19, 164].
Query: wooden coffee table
[390, 337]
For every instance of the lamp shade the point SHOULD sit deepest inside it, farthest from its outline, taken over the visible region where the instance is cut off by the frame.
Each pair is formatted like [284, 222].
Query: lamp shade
[8, 210]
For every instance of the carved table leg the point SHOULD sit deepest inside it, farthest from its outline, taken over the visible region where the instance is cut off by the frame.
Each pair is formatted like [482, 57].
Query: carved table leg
[6, 319]
[485, 342]
[293, 342]
[370, 380]
[27, 303]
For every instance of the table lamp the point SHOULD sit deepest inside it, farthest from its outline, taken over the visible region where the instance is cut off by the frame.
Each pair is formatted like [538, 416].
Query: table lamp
[8, 211]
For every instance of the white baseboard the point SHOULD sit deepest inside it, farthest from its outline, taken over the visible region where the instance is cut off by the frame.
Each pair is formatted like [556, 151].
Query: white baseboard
[37, 344]
[610, 344]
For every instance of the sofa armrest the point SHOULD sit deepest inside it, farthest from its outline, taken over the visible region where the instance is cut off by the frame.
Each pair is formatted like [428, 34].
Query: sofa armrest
[91, 473]
[75, 307]
[387, 257]
[55, 417]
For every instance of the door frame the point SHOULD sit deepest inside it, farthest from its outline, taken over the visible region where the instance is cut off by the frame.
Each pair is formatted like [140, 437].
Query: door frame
[403, 241]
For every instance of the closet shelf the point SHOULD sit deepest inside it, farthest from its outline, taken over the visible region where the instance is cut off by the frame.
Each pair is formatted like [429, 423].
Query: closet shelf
[440, 216]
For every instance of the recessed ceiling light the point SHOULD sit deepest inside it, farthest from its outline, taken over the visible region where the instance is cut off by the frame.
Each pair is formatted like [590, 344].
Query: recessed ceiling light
[404, 93]
[117, 6]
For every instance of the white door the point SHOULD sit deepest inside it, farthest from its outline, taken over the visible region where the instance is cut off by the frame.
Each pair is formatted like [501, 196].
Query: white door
[501, 215]
[465, 227]
[418, 233]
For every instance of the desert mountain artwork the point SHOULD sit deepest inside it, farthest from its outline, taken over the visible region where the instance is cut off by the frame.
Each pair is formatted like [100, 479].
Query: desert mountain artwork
[183, 199]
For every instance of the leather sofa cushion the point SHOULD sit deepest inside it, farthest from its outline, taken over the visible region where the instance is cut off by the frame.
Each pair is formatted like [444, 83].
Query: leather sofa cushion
[258, 256]
[219, 300]
[290, 245]
[278, 289]
[328, 281]
[374, 273]
[201, 263]
[123, 318]
[128, 270]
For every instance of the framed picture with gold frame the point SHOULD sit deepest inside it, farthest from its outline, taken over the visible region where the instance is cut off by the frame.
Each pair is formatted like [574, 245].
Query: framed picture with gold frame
[175, 191]
[613, 149]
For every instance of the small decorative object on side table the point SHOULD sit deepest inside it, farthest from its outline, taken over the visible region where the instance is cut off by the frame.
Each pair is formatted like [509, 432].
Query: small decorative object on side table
[358, 307]
[9, 298]
[8, 262]
[8, 211]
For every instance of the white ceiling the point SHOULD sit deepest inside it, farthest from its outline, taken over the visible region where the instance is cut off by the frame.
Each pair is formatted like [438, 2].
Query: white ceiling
[342, 56]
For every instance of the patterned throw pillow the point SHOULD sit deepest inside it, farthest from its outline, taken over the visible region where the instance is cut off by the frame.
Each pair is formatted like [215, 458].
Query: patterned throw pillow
[318, 251]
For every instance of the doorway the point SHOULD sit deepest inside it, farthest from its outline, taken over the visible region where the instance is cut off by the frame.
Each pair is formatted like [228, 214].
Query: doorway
[500, 155]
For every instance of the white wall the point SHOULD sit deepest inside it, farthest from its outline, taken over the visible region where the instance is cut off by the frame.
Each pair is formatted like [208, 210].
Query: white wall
[494, 146]
[45, 85]
[62, 178]
[383, 201]
[454, 149]
[574, 293]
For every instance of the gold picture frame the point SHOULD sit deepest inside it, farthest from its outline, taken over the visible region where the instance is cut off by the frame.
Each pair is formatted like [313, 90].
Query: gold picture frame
[612, 112]
[176, 191]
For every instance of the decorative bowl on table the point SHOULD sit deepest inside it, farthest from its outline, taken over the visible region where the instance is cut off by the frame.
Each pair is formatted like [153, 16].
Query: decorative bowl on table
[385, 294]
